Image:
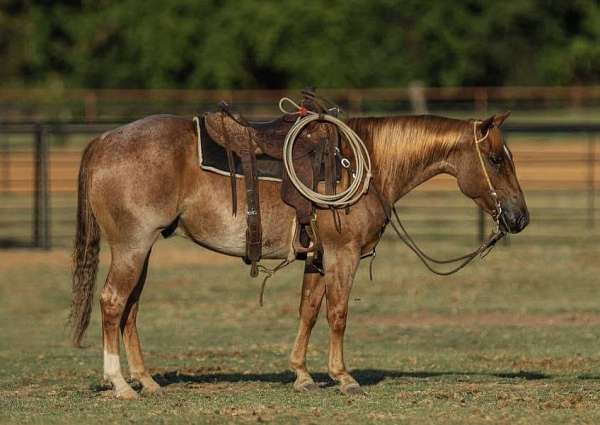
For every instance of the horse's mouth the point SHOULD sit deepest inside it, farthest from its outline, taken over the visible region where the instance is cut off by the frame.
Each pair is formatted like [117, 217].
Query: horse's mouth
[511, 223]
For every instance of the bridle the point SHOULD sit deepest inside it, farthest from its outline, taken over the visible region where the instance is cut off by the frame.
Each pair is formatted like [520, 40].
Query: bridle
[485, 247]
[497, 216]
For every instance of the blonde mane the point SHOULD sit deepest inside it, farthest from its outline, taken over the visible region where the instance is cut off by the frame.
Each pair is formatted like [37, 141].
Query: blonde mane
[398, 145]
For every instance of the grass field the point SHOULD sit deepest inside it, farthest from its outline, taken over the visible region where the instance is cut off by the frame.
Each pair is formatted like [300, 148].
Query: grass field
[515, 338]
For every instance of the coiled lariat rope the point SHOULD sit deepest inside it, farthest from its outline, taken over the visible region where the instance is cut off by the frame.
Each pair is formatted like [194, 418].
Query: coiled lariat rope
[361, 172]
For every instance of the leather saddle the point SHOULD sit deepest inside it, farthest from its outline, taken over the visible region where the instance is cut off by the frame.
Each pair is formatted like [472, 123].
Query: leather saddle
[314, 151]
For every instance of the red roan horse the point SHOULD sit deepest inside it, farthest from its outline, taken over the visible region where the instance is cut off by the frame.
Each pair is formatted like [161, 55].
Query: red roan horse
[143, 179]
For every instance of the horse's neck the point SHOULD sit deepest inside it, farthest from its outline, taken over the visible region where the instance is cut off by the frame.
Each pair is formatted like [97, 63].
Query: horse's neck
[421, 176]
[420, 169]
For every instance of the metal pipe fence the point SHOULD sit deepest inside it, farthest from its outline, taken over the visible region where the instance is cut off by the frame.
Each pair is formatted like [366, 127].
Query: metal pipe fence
[39, 163]
[110, 104]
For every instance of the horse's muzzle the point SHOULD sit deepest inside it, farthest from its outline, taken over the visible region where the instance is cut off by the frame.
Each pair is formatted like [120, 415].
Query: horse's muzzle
[514, 219]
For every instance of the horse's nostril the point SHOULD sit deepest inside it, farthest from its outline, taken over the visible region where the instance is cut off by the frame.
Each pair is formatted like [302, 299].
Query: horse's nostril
[523, 221]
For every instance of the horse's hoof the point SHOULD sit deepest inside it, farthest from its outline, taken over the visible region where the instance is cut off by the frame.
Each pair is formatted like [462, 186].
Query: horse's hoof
[305, 386]
[127, 394]
[152, 390]
[352, 389]
[150, 386]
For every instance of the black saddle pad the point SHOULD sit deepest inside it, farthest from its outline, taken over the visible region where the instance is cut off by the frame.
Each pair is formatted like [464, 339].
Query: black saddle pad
[213, 157]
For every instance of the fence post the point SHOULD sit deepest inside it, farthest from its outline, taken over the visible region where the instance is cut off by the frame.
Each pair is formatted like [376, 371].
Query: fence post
[41, 209]
[5, 156]
[481, 224]
[418, 99]
[591, 181]
[355, 103]
[90, 101]
[480, 99]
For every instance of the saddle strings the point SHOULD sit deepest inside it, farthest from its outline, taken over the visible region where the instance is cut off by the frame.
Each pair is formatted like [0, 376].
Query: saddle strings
[268, 274]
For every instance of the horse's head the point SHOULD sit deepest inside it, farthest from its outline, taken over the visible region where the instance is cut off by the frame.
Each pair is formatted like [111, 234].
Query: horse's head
[486, 173]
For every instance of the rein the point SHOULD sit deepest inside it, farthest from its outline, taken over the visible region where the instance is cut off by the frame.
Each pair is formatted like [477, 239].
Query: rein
[483, 250]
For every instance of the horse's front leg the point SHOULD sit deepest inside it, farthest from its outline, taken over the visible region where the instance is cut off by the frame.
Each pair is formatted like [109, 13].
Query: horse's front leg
[313, 290]
[340, 267]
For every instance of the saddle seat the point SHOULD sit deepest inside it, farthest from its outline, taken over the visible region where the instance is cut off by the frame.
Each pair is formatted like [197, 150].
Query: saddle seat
[269, 136]
[273, 125]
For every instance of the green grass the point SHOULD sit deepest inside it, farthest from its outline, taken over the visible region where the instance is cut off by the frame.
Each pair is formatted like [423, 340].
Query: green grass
[512, 339]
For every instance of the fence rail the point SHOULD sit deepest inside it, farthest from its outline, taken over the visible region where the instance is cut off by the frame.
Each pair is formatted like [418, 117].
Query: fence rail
[94, 105]
[38, 182]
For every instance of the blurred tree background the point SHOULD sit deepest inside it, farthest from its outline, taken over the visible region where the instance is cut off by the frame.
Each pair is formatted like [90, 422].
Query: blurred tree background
[206, 44]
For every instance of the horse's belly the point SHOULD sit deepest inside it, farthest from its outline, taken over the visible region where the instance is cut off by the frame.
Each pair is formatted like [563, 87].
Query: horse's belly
[218, 229]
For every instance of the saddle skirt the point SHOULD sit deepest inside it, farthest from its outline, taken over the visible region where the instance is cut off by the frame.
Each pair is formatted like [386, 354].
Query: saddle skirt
[213, 157]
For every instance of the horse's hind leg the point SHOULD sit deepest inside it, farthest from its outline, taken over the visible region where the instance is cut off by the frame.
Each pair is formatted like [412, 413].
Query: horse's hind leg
[126, 268]
[313, 290]
[131, 338]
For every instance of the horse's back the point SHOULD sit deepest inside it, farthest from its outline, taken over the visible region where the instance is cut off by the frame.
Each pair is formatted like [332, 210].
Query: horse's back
[154, 141]
[162, 131]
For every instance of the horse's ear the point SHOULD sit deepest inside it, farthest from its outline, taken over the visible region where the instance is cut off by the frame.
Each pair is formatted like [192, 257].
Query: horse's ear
[499, 119]
[485, 125]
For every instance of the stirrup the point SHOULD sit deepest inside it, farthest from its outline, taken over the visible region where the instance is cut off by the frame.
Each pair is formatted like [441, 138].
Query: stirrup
[314, 263]
[312, 232]
[313, 254]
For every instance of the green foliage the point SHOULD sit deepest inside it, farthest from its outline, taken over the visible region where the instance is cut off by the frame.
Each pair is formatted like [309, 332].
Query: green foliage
[292, 43]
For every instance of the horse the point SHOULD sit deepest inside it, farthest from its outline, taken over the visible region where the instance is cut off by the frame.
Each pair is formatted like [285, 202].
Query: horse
[143, 180]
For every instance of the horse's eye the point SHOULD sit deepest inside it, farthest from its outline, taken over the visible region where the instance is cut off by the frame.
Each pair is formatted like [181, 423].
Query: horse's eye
[495, 159]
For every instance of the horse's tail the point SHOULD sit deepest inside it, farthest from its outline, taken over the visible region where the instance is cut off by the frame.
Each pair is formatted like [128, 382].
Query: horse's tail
[85, 253]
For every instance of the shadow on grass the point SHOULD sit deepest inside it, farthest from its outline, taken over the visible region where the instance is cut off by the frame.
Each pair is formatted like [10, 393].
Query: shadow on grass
[529, 376]
[589, 376]
[13, 243]
[365, 377]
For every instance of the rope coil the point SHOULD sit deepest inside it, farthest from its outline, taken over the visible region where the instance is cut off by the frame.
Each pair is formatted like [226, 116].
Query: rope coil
[362, 172]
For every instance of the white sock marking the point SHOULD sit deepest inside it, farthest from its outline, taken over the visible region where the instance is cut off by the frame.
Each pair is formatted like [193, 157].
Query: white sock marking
[112, 366]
